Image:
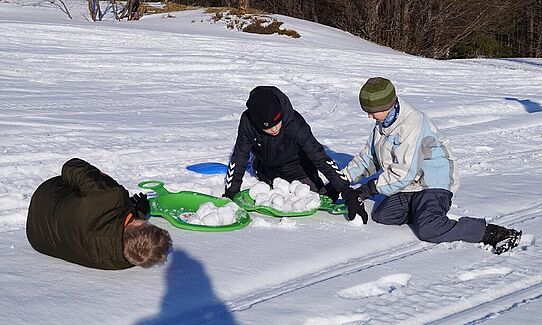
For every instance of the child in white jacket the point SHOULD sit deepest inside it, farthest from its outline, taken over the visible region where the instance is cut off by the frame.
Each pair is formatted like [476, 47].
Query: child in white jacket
[416, 173]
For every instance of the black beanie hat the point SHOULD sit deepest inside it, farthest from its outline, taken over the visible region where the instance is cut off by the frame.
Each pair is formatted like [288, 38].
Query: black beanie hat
[264, 109]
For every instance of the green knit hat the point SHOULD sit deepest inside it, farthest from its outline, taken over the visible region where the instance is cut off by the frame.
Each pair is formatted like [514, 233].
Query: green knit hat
[377, 95]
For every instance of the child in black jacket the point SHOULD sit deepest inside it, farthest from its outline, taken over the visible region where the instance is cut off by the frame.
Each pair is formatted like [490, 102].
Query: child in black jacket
[283, 146]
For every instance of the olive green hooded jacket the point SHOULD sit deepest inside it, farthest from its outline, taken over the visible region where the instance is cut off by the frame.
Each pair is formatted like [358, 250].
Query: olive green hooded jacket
[79, 217]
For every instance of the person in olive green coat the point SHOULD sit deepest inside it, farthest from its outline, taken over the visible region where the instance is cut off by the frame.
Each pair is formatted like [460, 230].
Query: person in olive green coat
[84, 216]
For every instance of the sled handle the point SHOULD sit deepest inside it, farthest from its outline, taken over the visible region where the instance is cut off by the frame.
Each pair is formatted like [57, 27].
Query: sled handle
[156, 186]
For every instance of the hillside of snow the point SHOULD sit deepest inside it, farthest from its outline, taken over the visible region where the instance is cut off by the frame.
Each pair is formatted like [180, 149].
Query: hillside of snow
[142, 100]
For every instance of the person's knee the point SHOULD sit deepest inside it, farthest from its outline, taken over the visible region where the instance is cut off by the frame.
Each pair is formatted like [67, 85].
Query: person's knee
[381, 218]
[375, 216]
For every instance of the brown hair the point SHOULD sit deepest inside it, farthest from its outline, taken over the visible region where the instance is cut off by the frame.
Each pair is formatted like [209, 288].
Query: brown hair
[145, 245]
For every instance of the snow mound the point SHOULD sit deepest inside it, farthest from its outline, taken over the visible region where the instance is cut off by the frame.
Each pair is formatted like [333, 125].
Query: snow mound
[284, 223]
[338, 319]
[379, 287]
[526, 241]
[497, 271]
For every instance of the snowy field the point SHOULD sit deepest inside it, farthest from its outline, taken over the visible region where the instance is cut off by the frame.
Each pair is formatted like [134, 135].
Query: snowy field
[142, 100]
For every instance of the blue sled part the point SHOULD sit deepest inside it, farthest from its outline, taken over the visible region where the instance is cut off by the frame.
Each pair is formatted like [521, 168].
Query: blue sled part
[213, 168]
[209, 168]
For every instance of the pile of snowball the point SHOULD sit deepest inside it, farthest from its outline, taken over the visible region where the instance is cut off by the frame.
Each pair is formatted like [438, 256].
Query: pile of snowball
[210, 215]
[285, 196]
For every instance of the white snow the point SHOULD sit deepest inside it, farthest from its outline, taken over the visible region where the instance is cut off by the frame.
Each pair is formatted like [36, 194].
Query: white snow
[382, 286]
[466, 276]
[141, 100]
[337, 319]
[285, 196]
[282, 223]
[210, 215]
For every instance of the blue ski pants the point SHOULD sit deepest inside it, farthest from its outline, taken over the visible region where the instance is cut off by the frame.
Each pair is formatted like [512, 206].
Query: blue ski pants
[426, 212]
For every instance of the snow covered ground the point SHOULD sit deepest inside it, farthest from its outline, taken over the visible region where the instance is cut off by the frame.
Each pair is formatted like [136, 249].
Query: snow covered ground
[142, 100]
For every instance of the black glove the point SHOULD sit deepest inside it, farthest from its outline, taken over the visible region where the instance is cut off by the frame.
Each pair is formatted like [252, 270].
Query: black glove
[330, 192]
[141, 203]
[366, 190]
[229, 194]
[355, 205]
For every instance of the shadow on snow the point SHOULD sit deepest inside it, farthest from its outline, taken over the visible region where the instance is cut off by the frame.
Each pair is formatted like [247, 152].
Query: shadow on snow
[342, 159]
[189, 298]
[529, 105]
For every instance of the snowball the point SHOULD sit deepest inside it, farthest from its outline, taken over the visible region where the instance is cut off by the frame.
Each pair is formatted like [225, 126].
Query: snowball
[313, 202]
[285, 196]
[205, 208]
[282, 191]
[287, 207]
[258, 188]
[261, 223]
[277, 198]
[287, 223]
[227, 214]
[194, 221]
[281, 184]
[300, 205]
[262, 197]
[294, 185]
[228, 217]
[210, 215]
[212, 219]
[302, 190]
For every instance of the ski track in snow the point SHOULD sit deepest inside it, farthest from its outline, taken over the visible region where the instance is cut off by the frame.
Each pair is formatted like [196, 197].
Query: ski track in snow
[518, 284]
[438, 304]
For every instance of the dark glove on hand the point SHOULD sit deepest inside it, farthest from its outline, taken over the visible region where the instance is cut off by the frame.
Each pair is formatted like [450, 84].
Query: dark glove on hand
[355, 204]
[141, 203]
[330, 192]
[366, 190]
[229, 194]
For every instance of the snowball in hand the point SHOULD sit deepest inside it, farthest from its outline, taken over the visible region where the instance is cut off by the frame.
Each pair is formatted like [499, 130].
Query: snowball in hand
[285, 196]
[210, 215]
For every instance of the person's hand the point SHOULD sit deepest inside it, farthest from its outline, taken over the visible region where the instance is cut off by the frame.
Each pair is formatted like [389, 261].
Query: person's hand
[141, 203]
[331, 192]
[229, 194]
[355, 205]
[366, 190]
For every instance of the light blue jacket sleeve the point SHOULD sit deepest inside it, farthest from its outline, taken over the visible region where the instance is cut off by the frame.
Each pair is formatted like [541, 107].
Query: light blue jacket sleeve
[404, 160]
[363, 164]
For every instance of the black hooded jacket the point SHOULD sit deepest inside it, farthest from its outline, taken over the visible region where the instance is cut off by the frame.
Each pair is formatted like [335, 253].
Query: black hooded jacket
[293, 154]
[79, 217]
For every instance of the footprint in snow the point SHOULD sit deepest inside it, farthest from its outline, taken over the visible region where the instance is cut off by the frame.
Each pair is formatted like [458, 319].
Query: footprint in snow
[379, 287]
[493, 271]
[337, 319]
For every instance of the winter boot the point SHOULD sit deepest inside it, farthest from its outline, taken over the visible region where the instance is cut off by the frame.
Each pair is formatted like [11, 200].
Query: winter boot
[502, 239]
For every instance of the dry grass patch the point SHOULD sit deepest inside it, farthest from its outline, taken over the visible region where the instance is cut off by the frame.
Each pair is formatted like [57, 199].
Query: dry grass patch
[249, 21]
[148, 8]
[259, 26]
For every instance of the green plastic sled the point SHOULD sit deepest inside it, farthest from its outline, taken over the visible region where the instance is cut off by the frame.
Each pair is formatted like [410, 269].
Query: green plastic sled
[177, 207]
[244, 200]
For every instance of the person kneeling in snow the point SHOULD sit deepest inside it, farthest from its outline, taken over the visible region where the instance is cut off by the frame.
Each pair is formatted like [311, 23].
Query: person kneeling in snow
[283, 146]
[416, 174]
[85, 217]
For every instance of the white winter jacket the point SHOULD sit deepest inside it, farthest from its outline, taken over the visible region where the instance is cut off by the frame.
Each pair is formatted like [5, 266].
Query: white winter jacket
[410, 155]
